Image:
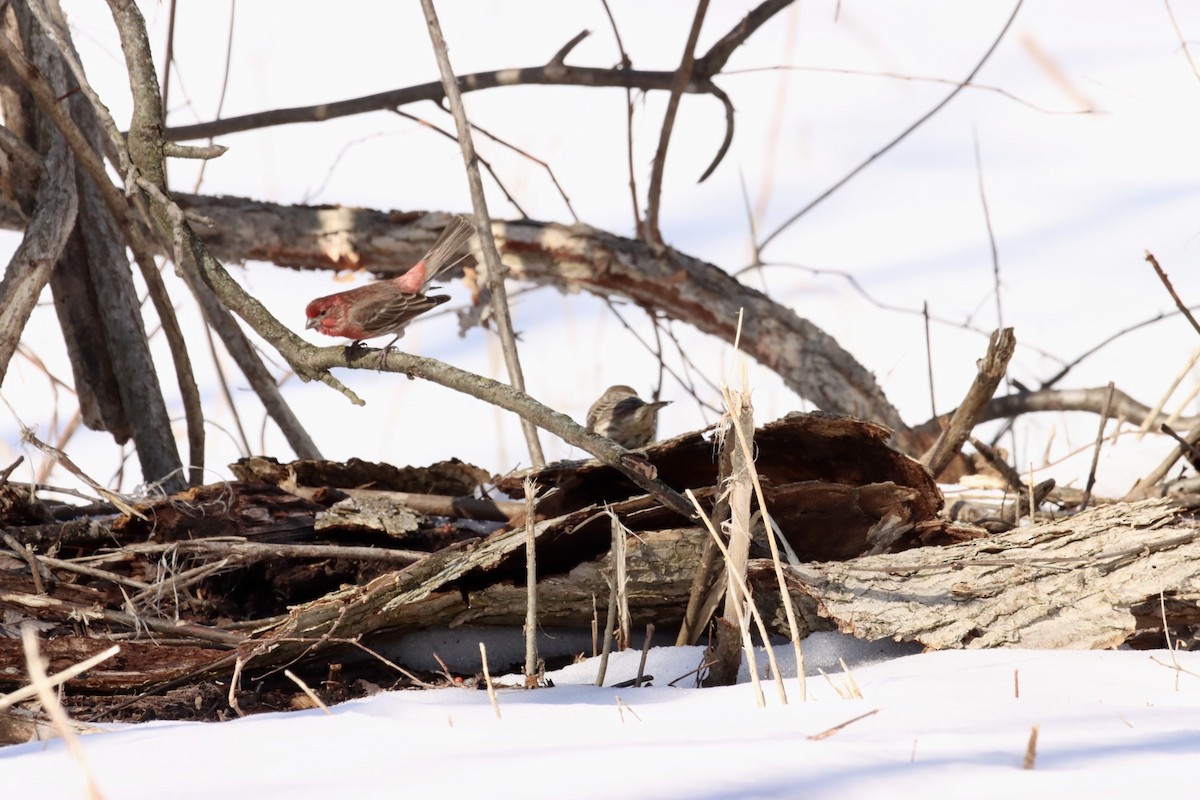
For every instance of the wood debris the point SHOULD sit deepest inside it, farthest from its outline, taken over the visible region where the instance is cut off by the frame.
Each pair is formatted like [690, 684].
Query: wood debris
[318, 567]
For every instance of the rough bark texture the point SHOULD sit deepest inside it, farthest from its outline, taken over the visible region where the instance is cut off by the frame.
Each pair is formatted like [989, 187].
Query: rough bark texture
[1091, 581]
[105, 335]
[51, 217]
[568, 257]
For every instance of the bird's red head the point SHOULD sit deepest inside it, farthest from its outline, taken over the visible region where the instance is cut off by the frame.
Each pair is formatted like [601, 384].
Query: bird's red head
[324, 313]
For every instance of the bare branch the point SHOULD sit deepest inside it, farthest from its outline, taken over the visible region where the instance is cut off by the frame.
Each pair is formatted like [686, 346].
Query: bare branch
[550, 74]
[1043, 400]
[483, 224]
[510, 399]
[145, 147]
[570, 258]
[683, 77]
[714, 60]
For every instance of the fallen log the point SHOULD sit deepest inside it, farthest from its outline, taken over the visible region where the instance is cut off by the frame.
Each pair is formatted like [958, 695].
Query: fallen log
[1091, 581]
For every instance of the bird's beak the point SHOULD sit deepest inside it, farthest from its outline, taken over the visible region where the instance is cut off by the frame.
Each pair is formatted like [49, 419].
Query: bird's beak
[312, 322]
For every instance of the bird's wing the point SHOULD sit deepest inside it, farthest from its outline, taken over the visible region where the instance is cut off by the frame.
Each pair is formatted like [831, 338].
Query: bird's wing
[390, 312]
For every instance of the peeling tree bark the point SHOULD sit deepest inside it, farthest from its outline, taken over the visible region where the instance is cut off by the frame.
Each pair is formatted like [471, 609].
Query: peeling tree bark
[570, 258]
[1091, 581]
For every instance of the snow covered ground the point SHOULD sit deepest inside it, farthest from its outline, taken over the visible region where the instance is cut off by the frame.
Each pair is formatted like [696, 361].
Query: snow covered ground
[936, 725]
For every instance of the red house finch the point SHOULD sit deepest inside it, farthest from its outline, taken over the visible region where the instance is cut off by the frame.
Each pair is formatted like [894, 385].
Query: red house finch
[624, 417]
[387, 306]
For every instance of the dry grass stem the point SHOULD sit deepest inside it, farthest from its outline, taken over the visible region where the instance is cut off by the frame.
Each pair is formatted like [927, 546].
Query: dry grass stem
[772, 530]
[234, 682]
[754, 612]
[621, 576]
[487, 680]
[1183, 405]
[832, 685]
[929, 362]
[622, 707]
[304, 687]
[58, 678]
[1162, 607]
[1031, 749]
[825, 734]
[1033, 497]
[855, 692]
[58, 715]
[1148, 422]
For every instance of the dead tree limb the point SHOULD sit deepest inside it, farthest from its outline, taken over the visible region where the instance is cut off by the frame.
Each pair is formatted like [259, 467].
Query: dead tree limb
[991, 371]
[1088, 582]
[570, 258]
[54, 208]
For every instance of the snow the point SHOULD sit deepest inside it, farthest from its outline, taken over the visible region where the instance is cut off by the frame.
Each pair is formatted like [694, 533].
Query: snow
[935, 725]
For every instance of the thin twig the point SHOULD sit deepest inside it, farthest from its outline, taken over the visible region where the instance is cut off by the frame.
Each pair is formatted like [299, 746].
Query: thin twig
[626, 64]
[611, 620]
[483, 225]
[486, 164]
[526, 154]
[224, 86]
[1162, 276]
[240, 547]
[645, 653]
[903, 135]
[1091, 480]
[1182, 41]
[662, 365]
[929, 359]
[531, 595]
[1190, 450]
[913, 79]
[37, 571]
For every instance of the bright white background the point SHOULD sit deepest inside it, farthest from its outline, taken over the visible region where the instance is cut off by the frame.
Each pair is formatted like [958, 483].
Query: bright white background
[1075, 200]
